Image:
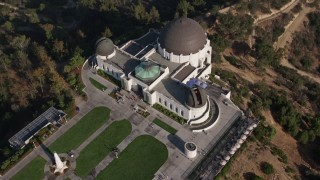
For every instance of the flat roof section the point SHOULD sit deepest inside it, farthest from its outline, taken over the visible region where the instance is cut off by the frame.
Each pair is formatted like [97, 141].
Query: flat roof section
[149, 38]
[123, 61]
[132, 48]
[156, 57]
[49, 116]
[144, 51]
[172, 89]
[184, 72]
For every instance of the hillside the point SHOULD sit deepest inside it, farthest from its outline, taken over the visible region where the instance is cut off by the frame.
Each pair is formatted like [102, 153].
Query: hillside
[265, 51]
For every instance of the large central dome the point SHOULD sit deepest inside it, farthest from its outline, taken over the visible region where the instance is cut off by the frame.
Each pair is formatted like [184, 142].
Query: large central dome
[182, 36]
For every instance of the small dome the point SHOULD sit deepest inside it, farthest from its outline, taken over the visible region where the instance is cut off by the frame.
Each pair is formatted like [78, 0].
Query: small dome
[182, 36]
[147, 71]
[196, 97]
[104, 46]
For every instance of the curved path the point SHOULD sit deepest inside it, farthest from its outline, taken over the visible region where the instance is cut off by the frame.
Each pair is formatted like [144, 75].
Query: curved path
[276, 13]
[286, 38]
[267, 17]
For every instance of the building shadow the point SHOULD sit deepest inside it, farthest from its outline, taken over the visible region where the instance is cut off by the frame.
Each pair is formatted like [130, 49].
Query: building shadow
[47, 151]
[92, 61]
[177, 141]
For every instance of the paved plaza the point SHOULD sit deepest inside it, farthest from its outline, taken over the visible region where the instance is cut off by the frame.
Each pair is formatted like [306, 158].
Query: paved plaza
[177, 166]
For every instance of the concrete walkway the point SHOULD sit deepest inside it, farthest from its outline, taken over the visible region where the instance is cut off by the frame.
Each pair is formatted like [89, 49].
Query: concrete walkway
[177, 162]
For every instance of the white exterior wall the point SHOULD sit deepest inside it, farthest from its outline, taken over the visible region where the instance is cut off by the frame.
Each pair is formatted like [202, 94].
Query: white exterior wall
[106, 57]
[205, 73]
[191, 75]
[228, 95]
[197, 112]
[205, 116]
[174, 104]
[163, 75]
[108, 68]
[189, 153]
[127, 82]
[195, 60]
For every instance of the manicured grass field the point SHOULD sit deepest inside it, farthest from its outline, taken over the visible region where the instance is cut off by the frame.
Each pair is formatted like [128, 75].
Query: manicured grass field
[100, 147]
[81, 130]
[140, 160]
[97, 84]
[33, 170]
[165, 126]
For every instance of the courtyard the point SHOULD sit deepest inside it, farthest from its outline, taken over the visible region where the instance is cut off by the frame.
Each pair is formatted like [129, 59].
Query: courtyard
[155, 141]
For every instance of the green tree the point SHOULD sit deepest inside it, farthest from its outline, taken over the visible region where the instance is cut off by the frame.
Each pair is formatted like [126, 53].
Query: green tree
[20, 42]
[184, 7]
[140, 12]
[33, 16]
[87, 3]
[198, 3]
[304, 137]
[4, 11]
[154, 15]
[75, 61]
[6, 152]
[306, 62]
[107, 32]
[48, 30]
[265, 53]
[58, 49]
[218, 42]
[266, 168]
[8, 26]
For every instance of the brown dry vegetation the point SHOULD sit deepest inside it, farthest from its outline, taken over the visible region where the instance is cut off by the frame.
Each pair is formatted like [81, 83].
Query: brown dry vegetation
[248, 160]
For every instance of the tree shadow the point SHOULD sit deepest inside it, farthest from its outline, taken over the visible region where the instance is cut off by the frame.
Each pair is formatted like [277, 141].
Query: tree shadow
[177, 141]
[249, 175]
[306, 173]
[240, 48]
[310, 153]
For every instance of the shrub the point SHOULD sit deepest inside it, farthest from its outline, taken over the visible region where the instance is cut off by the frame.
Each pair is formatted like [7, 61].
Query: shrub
[256, 177]
[289, 169]
[266, 168]
[264, 133]
[282, 157]
[304, 137]
[169, 113]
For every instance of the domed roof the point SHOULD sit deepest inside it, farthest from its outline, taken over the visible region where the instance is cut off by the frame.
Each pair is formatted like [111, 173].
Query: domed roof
[196, 97]
[147, 71]
[104, 46]
[182, 36]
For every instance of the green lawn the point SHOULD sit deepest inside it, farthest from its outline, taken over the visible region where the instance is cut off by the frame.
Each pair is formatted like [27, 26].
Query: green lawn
[140, 160]
[81, 130]
[100, 147]
[33, 170]
[165, 126]
[97, 84]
